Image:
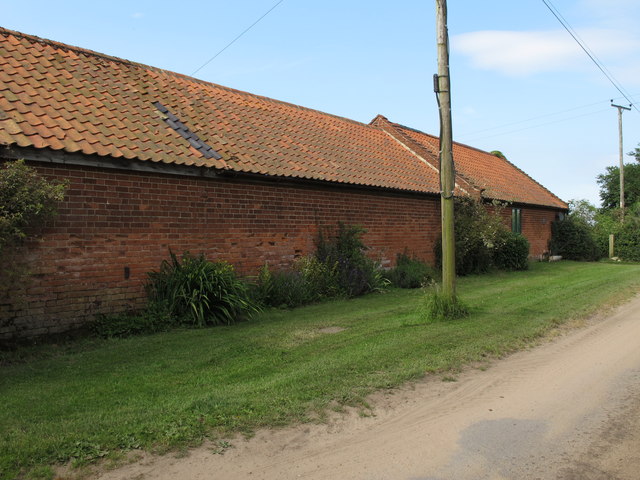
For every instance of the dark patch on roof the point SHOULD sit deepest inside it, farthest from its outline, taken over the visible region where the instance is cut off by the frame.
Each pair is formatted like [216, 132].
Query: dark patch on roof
[174, 122]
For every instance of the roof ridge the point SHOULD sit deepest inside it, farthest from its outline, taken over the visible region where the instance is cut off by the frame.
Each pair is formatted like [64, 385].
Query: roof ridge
[65, 46]
[85, 51]
[397, 128]
[489, 153]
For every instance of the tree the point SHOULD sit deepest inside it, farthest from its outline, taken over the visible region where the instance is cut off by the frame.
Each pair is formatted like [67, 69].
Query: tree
[635, 153]
[609, 183]
[583, 211]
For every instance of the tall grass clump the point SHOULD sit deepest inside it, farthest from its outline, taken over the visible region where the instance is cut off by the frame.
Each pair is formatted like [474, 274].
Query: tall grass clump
[197, 292]
[283, 288]
[307, 282]
[440, 307]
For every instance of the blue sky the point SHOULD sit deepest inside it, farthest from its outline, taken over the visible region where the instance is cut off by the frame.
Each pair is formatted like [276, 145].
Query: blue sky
[520, 84]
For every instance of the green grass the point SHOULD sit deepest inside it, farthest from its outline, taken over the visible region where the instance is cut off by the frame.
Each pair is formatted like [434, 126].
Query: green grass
[95, 398]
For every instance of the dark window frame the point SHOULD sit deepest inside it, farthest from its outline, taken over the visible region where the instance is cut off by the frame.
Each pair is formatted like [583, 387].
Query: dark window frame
[516, 220]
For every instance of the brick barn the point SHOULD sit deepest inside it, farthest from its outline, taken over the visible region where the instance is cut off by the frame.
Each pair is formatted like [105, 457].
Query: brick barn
[158, 160]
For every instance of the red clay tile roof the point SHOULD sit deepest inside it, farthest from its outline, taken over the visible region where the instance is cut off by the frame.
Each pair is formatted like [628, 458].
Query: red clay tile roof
[65, 98]
[54, 96]
[496, 178]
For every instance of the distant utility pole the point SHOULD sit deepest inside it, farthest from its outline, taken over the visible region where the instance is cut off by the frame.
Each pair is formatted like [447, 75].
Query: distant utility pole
[620, 109]
[442, 85]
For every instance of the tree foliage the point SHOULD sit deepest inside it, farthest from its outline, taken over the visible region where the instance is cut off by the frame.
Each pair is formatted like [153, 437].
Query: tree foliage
[609, 183]
[609, 220]
[583, 211]
[627, 234]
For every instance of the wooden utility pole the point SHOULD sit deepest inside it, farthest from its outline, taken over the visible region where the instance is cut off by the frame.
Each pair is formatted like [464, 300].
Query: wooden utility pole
[442, 86]
[620, 108]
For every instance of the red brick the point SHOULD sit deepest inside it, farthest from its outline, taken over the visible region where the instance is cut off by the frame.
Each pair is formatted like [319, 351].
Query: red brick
[79, 265]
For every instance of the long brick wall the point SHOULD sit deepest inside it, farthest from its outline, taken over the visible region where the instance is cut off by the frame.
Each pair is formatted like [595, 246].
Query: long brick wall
[115, 226]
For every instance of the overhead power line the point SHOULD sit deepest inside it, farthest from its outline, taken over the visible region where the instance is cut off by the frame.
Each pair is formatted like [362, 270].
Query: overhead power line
[235, 39]
[527, 120]
[588, 51]
[475, 134]
[482, 137]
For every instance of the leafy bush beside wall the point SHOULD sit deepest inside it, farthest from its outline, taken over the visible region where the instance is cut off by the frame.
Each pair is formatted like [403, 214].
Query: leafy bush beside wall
[511, 251]
[480, 237]
[198, 292]
[284, 289]
[356, 273]
[410, 272]
[27, 201]
[574, 240]
[339, 268]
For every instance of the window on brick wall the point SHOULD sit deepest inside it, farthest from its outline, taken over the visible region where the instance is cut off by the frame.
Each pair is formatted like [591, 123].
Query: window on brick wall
[516, 220]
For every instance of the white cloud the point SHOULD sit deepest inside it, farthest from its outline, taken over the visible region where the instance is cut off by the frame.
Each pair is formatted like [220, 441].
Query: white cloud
[524, 53]
[137, 15]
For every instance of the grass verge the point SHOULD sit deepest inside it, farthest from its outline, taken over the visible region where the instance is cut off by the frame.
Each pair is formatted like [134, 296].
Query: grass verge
[95, 399]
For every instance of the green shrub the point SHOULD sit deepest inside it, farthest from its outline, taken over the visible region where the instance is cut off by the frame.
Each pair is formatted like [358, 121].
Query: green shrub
[154, 319]
[574, 240]
[356, 274]
[339, 268]
[27, 200]
[627, 240]
[198, 292]
[627, 233]
[511, 251]
[606, 223]
[309, 281]
[321, 278]
[283, 289]
[477, 235]
[262, 288]
[409, 272]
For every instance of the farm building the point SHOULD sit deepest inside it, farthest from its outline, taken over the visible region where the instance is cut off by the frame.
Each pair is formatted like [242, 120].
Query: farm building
[158, 160]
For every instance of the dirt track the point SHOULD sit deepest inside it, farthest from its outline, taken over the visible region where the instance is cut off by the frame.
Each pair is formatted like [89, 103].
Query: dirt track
[566, 410]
